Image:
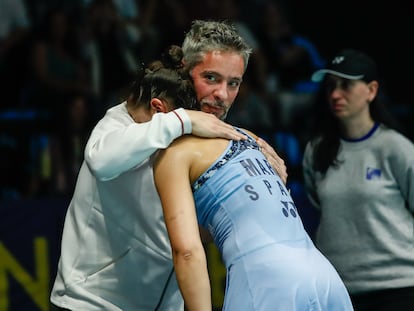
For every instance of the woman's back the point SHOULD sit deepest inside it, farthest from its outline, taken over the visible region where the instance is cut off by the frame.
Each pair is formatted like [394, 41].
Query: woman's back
[271, 261]
[244, 203]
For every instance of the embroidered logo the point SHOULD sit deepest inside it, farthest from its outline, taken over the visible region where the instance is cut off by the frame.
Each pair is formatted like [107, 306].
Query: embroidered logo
[373, 173]
[338, 60]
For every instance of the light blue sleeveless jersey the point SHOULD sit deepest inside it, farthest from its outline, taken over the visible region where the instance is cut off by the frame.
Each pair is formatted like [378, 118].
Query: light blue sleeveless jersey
[271, 262]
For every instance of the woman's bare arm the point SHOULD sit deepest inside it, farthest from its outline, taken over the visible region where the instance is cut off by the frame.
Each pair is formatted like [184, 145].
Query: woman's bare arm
[171, 174]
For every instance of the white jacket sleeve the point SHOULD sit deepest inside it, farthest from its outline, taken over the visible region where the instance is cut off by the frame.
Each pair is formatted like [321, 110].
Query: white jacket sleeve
[115, 147]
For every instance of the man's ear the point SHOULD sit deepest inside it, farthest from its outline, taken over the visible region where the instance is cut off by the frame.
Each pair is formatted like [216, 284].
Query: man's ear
[158, 105]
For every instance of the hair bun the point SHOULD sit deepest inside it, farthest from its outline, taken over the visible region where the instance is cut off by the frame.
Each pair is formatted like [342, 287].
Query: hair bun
[172, 57]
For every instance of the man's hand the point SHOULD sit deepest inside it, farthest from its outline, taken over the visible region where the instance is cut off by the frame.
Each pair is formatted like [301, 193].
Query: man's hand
[277, 162]
[208, 125]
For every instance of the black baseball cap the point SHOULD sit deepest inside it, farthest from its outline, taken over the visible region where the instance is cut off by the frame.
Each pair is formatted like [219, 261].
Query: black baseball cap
[350, 64]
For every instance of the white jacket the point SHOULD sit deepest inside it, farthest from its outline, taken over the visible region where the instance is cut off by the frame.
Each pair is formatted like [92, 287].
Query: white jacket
[115, 252]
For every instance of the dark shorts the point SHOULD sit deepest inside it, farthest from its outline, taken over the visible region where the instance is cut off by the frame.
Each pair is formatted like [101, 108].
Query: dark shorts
[398, 299]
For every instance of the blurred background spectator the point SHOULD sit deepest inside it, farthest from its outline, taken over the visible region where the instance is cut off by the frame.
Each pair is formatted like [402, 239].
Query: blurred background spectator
[290, 60]
[15, 31]
[111, 61]
[56, 64]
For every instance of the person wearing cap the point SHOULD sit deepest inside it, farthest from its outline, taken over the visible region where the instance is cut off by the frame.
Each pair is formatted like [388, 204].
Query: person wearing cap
[359, 174]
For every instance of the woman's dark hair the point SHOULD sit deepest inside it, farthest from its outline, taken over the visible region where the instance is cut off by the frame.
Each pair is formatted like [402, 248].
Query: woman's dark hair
[326, 137]
[165, 79]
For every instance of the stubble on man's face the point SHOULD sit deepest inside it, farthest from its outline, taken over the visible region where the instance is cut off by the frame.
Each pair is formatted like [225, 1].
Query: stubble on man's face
[217, 80]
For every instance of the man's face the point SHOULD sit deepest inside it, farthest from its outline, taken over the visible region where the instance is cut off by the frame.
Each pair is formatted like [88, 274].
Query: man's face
[217, 80]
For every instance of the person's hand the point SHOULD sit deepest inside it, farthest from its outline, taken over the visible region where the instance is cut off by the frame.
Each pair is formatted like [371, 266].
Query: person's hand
[208, 125]
[277, 162]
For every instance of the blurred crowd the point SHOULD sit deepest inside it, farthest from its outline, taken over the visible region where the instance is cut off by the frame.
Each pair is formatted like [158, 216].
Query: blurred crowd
[63, 63]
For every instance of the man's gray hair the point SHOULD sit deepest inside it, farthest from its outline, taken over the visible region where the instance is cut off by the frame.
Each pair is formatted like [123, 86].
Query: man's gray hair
[207, 35]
